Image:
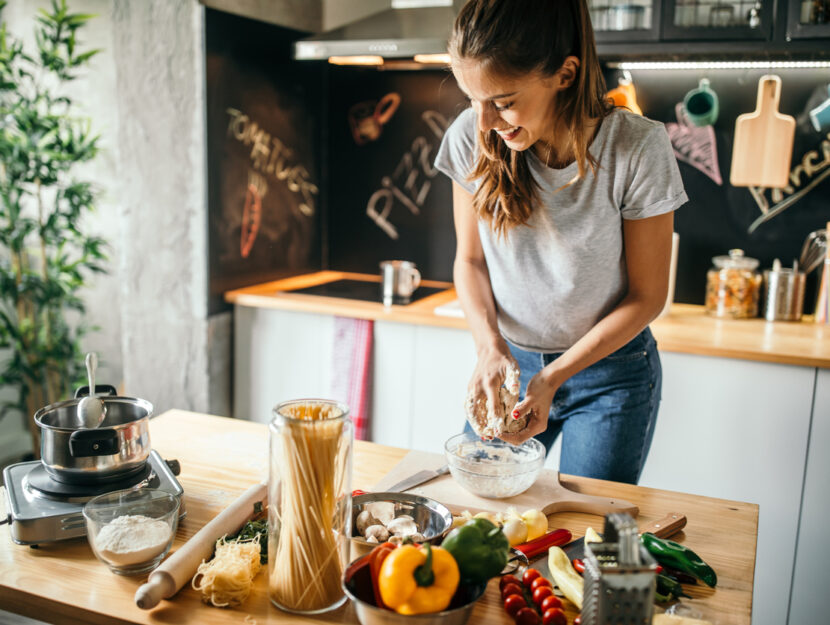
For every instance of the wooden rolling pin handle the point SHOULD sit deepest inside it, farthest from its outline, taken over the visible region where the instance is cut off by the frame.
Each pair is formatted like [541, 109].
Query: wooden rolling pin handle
[178, 569]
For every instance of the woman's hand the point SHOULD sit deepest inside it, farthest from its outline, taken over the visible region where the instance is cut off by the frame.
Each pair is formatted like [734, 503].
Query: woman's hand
[488, 377]
[536, 405]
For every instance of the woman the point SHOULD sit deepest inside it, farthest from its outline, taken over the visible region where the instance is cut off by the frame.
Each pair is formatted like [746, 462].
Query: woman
[563, 214]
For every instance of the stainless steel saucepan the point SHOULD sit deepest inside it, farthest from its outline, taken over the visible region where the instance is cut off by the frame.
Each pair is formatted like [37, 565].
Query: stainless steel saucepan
[116, 449]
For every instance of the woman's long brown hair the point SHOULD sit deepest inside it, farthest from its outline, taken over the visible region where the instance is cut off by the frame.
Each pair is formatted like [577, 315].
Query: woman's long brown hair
[510, 37]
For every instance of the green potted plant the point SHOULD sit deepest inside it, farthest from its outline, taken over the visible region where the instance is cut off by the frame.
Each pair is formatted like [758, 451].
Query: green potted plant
[46, 257]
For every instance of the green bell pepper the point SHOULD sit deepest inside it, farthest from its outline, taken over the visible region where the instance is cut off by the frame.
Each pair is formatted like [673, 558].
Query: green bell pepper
[480, 549]
[680, 557]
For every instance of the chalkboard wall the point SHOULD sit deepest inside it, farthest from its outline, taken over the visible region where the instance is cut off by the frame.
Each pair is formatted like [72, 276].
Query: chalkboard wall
[264, 135]
[367, 139]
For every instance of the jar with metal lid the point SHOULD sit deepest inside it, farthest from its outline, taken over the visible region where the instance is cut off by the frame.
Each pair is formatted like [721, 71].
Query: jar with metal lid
[733, 286]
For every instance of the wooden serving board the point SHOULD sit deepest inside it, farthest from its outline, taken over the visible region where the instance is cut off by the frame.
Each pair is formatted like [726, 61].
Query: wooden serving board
[546, 494]
[763, 144]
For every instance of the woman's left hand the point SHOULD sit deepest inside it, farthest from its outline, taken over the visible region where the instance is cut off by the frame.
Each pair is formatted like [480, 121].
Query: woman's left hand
[536, 405]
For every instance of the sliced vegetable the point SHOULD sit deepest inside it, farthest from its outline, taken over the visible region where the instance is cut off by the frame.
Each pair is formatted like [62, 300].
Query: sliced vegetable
[565, 577]
[680, 557]
[591, 536]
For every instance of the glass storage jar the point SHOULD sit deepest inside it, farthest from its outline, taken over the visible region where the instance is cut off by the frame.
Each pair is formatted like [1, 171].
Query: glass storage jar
[733, 286]
[309, 504]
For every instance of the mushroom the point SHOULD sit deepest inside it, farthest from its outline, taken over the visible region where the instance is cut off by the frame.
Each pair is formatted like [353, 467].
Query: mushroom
[365, 520]
[382, 511]
[403, 526]
[378, 532]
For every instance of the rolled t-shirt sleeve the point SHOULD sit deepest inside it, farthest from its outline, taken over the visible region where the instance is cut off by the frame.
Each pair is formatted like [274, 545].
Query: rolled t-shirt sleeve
[655, 186]
[458, 149]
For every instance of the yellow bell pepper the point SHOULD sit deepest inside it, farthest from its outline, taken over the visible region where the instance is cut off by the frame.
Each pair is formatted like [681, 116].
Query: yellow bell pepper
[418, 580]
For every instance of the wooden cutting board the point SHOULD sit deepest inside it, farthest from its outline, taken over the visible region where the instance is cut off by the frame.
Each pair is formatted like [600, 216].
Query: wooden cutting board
[763, 144]
[546, 494]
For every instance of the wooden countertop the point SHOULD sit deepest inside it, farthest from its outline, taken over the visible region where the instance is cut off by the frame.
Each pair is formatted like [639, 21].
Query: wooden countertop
[686, 329]
[220, 457]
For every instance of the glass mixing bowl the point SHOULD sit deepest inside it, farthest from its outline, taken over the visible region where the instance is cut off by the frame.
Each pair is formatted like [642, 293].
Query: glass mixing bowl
[132, 530]
[494, 469]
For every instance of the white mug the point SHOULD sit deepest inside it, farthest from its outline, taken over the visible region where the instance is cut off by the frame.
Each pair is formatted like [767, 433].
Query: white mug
[398, 281]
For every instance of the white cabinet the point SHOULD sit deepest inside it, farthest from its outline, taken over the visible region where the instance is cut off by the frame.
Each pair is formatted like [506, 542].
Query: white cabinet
[809, 594]
[738, 429]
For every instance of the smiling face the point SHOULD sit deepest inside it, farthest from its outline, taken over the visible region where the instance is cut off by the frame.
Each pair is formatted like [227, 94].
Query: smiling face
[520, 110]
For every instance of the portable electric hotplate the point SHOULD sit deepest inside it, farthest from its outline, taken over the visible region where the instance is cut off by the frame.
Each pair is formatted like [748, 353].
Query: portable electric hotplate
[43, 510]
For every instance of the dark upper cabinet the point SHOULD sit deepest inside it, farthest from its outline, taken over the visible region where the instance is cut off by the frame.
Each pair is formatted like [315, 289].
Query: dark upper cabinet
[809, 19]
[712, 28]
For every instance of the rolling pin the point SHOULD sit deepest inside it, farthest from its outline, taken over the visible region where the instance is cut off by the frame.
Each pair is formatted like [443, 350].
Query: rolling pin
[166, 580]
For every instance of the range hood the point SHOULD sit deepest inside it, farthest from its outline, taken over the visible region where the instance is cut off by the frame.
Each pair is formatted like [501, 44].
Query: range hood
[407, 29]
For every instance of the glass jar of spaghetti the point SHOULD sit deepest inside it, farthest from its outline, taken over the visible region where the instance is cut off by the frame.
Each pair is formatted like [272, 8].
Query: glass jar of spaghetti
[732, 286]
[309, 504]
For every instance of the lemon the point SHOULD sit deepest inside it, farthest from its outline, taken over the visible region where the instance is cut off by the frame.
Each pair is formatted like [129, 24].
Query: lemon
[537, 523]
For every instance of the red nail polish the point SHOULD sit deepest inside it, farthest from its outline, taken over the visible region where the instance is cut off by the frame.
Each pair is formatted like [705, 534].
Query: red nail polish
[515, 414]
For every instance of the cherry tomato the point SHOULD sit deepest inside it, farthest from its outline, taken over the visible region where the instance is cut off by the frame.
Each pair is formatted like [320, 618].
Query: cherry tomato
[513, 604]
[539, 581]
[511, 589]
[540, 593]
[527, 616]
[577, 620]
[554, 616]
[551, 601]
[579, 565]
[509, 579]
[529, 576]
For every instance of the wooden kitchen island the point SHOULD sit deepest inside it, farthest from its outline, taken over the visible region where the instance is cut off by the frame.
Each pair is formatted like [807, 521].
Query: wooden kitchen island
[64, 583]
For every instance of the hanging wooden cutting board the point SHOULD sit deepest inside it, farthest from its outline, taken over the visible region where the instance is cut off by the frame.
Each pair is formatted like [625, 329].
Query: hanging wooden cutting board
[547, 493]
[763, 144]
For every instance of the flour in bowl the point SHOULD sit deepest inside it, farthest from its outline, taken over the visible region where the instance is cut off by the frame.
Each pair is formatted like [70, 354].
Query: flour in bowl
[132, 539]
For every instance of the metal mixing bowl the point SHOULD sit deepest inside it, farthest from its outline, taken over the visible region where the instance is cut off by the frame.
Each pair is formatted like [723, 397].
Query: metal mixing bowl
[433, 519]
[357, 584]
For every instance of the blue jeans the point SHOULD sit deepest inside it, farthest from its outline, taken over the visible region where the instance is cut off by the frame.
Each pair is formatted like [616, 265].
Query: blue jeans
[606, 413]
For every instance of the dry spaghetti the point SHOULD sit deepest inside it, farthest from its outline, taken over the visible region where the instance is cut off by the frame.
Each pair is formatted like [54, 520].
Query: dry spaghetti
[308, 547]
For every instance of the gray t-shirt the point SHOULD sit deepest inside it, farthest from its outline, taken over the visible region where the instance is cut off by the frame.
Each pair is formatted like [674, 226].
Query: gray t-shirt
[555, 277]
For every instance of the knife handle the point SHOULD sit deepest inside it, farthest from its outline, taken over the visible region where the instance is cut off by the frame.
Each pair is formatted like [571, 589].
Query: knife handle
[669, 525]
[553, 538]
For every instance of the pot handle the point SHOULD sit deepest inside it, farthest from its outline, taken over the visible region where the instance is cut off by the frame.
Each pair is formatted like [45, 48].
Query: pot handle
[100, 389]
[94, 442]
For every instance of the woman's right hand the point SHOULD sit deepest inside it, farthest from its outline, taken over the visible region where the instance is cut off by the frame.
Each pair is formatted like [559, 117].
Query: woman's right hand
[488, 377]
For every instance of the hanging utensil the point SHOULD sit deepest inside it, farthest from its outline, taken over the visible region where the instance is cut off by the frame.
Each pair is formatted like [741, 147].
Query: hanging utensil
[91, 410]
[763, 146]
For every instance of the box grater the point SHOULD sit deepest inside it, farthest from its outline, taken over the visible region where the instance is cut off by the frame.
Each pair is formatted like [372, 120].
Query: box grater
[619, 576]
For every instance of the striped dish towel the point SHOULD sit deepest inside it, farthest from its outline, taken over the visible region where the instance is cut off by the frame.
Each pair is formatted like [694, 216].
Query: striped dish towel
[351, 379]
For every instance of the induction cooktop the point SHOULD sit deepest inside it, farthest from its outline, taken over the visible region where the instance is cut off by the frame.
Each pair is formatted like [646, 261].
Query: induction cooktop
[362, 290]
